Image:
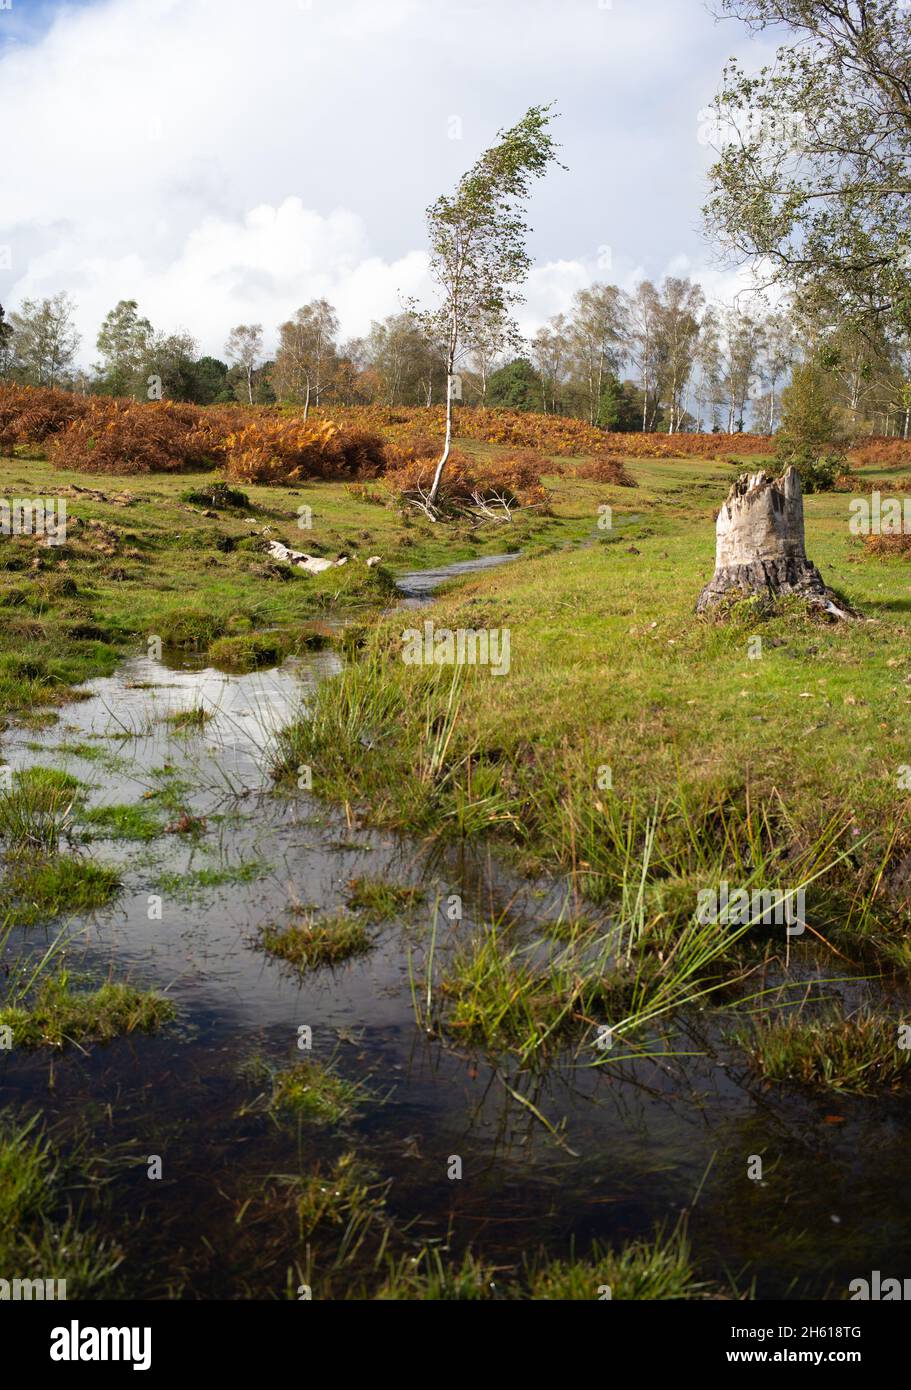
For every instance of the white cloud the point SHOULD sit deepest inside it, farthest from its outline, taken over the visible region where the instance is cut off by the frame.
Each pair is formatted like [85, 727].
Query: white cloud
[223, 161]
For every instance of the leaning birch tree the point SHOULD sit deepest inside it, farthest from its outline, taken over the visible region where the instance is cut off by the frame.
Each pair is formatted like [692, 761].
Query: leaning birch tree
[478, 256]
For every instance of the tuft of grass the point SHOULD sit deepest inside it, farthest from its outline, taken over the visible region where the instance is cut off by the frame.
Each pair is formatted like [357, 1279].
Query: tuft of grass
[40, 1234]
[380, 900]
[216, 496]
[191, 629]
[860, 1053]
[190, 720]
[34, 890]
[123, 822]
[427, 1277]
[316, 941]
[314, 1092]
[248, 652]
[642, 1271]
[344, 1196]
[195, 882]
[58, 1013]
[38, 809]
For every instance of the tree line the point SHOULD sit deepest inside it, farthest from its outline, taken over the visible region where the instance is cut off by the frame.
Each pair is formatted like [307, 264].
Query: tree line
[657, 359]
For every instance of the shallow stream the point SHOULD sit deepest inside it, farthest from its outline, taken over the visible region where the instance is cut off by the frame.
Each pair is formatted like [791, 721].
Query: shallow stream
[636, 1142]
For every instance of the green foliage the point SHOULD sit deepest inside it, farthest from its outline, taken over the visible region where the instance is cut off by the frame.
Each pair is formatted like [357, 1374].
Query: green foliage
[809, 431]
[316, 941]
[813, 171]
[620, 406]
[58, 1014]
[516, 385]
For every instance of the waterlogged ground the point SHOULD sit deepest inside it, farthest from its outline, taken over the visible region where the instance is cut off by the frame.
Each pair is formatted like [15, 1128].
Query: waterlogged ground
[576, 1152]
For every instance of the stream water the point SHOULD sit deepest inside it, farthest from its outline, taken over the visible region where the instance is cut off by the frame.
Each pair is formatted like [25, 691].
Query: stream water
[637, 1141]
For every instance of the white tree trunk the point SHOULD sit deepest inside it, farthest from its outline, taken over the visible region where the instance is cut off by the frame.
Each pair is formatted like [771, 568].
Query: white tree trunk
[761, 550]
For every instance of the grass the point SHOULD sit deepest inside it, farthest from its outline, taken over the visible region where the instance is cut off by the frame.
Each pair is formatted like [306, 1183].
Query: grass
[346, 1195]
[310, 1091]
[59, 1014]
[35, 890]
[641, 1271]
[128, 821]
[38, 809]
[41, 1235]
[195, 882]
[190, 720]
[506, 989]
[379, 899]
[250, 652]
[85, 610]
[859, 1053]
[621, 707]
[316, 941]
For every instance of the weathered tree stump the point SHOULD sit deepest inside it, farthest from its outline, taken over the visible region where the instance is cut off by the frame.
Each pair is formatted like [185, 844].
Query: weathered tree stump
[761, 547]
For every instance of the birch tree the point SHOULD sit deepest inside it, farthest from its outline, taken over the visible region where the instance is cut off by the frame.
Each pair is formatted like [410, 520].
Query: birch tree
[245, 348]
[596, 332]
[478, 255]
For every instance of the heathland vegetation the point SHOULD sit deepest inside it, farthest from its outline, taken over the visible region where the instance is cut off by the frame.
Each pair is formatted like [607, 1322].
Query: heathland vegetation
[442, 912]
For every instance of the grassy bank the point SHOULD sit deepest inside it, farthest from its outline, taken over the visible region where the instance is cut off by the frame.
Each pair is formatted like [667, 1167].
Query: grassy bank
[140, 560]
[624, 720]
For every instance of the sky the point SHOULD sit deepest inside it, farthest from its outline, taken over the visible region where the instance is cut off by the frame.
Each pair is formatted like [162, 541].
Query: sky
[226, 161]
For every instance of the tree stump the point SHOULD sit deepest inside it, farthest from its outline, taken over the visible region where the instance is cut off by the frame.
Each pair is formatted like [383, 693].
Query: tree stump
[761, 547]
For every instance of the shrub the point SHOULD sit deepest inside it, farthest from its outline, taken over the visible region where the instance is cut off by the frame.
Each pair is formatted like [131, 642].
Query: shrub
[469, 483]
[126, 437]
[286, 450]
[609, 469]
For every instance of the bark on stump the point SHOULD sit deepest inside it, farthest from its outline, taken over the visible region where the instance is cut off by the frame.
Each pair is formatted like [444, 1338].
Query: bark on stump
[761, 546]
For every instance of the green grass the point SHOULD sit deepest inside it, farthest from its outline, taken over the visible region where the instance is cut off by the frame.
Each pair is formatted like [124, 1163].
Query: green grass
[313, 1092]
[611, 670]
[59, 1014]
[79, 622]
[128, 821]
[316, 941]
[859, 1053]
[41, 1235]
[195, 882]
[38, 809]
[345, 1195]
[35, 890]
[641, 1271]
[187, 721]
[380, 899]
[250, 652]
